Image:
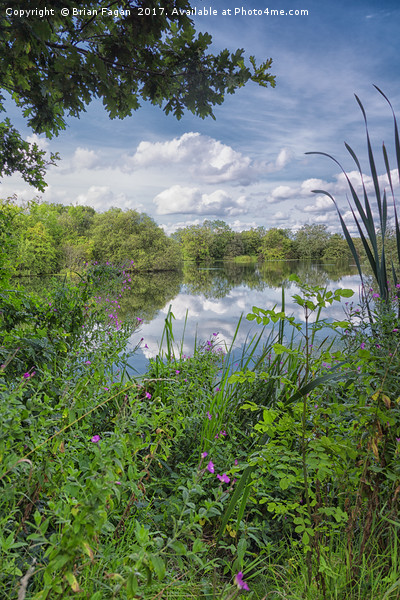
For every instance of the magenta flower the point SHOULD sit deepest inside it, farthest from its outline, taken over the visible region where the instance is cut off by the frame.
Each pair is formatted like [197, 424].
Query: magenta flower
[209, 415]
[138, 319]
[236, 462]
[224, 477]
[95, 439]
[87, 362]
[148, 396]
[362, 345]
[217, 389]
[26, 375]
[242, 585]
[177, 372]
[210, 467]
[204, 454]
[375, 295]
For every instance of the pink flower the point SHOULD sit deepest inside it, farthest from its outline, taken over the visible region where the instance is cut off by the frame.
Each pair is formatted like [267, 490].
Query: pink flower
[95, 439]
[236, 462]
[177, 372]
[362, 345]
[87, 362]
[210, 467]
[209, 415]
[242, 585]
[118, 483]
[148, 396]
[224, 477]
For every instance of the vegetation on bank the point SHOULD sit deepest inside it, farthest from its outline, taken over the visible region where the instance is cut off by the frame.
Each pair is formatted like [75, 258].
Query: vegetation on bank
[53, 238]
[49, 238]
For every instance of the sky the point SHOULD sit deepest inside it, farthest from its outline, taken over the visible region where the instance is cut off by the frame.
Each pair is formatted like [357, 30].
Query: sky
[248, 167]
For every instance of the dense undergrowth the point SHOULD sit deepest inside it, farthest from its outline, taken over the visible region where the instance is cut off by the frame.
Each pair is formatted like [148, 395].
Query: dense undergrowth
[277, 479]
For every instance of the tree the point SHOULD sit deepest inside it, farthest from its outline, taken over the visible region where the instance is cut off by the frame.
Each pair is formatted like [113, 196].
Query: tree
[123, 236]
[55, 60]
[311, 241]
[276, 244]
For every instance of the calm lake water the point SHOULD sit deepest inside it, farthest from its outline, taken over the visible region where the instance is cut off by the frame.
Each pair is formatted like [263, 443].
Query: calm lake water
[215, 296]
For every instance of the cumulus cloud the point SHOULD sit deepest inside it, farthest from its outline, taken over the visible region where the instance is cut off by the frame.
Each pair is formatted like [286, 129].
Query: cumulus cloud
[187, 200]
[205, 157]
[101, 198]
[84, 158]
[322, 204]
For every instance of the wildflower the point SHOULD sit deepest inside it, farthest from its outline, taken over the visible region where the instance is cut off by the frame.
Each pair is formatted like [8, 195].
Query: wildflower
[118, 483]
[375, 295]
[215, 334]
[138, 319]
[95, 439]
[362, 345]
[209, 415]
[148, 396]
[224, 477]
[204, 454]
[217, 389]
[395, 330]
[241, 584]
[398, 440]
[177, 372]
[87, 362]
[210, 467]
[223, 432]
[236, 462]
[146, 346]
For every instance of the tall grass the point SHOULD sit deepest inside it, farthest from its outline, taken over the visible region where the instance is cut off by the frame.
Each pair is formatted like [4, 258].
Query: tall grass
[373, 236]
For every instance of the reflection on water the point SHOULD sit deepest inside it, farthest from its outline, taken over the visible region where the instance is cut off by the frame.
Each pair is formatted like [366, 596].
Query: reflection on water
[214, 297]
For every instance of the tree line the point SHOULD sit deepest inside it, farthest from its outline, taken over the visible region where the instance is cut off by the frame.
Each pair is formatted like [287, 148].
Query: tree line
[215, 240]
[50, 238]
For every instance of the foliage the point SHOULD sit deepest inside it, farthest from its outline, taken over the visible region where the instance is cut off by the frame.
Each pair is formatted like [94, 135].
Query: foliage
[375, 251]
[276, 245]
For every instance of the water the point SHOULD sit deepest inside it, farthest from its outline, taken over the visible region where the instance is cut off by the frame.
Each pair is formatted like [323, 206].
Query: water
[213, 298]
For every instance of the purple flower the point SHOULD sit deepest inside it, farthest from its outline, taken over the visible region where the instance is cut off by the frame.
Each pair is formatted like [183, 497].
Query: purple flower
[118, 483]
[242, 585]
[177, 372]
[224, 477]
[148, 396]
[210, 467]
[362, 345]
[375, 295]
[87, 362]
[26, 375]
[204, 454]
[217, 389]
[236, 462]
[209, 415]
[138, 319]
[95, 439]
[398, 440]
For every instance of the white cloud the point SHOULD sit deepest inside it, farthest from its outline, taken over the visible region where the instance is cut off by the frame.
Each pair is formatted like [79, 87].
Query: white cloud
[322, 204]
[187, 200]
[205, 157]
[84, 158]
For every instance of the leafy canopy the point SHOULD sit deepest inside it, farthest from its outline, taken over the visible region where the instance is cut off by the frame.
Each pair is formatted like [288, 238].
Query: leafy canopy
[54, 65]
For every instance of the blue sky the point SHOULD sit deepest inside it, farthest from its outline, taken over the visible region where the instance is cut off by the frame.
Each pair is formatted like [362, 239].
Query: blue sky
[248, 167]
